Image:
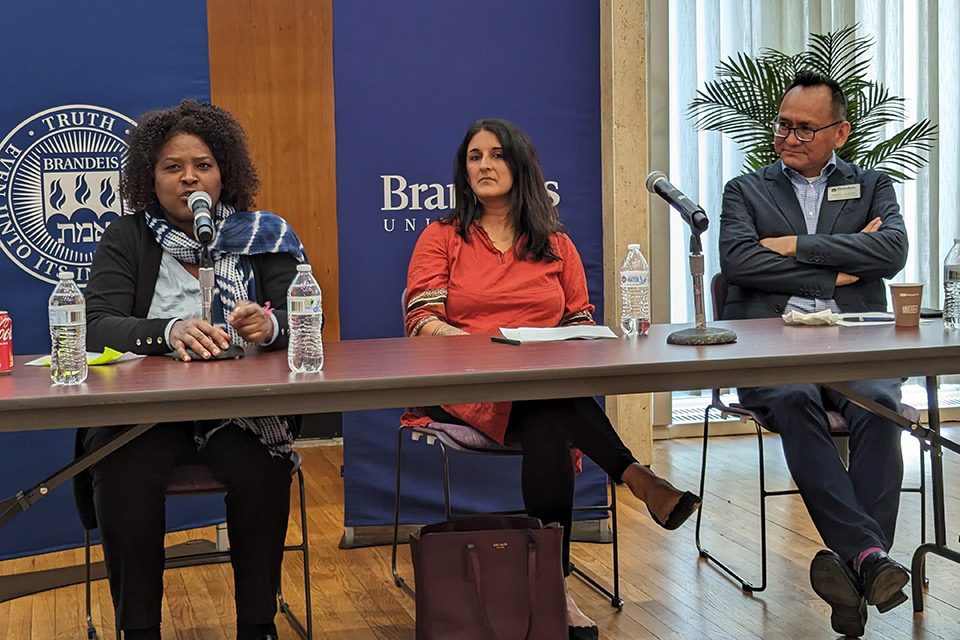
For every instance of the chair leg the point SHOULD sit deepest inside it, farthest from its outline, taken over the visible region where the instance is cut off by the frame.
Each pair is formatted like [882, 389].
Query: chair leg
[923, 492]
[91, 628]
[397, 580]
[306, 556]
[763, 493]
[615, 599]
[303, 547]
[447, 509]
[703, 478]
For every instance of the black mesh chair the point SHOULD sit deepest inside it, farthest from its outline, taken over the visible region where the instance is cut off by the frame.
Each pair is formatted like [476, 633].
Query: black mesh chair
[838, 430]
[466, 439]
[197, 479]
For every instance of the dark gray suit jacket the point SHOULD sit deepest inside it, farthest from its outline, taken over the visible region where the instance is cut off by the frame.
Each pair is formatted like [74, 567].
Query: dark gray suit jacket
[763, 205]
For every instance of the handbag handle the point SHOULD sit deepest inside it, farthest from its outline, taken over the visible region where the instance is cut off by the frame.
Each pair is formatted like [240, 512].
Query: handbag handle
[531, 591]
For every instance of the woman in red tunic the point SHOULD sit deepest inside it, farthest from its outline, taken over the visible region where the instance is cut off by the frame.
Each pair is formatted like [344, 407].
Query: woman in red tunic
[501, 259]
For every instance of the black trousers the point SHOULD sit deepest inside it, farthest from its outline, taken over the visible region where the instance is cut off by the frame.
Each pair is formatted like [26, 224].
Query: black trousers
[855, 507]
[547, 429]
[129, 491]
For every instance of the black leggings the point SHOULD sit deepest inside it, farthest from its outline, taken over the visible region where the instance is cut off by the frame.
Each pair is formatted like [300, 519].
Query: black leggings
[547, 429]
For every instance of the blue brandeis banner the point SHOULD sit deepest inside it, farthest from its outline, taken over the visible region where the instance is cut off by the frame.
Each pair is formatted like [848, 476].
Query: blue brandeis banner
[77, 76]
[410, 78]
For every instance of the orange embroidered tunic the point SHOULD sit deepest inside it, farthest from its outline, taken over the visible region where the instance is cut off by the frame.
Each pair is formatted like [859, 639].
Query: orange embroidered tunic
[474, 287]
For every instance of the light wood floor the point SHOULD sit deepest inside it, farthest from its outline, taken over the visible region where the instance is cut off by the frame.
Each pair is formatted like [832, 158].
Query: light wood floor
[670, 593]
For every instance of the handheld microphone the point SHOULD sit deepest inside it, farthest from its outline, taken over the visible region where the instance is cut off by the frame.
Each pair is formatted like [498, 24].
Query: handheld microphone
[689, 210]
[200, 203]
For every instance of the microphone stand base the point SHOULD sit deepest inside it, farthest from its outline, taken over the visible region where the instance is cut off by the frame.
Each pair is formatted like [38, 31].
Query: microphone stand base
[700, 336]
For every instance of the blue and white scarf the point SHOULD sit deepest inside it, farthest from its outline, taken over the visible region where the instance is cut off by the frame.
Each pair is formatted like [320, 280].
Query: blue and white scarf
[237, 235]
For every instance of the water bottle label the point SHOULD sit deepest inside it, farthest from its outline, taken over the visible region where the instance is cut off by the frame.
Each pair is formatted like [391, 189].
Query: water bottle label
[951, 273]
[634, 278]
[305, 305]
[68, 315]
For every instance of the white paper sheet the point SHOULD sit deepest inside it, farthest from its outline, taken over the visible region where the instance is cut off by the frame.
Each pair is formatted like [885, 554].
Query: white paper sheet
[547, 334]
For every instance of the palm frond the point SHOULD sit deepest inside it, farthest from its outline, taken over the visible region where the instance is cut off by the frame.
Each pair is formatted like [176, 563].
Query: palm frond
[839, 55]
[900, 156]
[743, 94]
[746, 96]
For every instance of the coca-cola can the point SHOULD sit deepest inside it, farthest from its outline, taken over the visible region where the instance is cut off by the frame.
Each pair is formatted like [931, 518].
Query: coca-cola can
[6, 343]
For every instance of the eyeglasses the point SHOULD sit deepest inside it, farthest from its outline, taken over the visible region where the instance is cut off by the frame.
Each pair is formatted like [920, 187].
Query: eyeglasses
[804, 134]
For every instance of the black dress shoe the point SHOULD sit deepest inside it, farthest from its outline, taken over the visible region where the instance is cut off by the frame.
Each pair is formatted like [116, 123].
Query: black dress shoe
[584, 633]
[688, 505]
[883, 581]
[839, 587]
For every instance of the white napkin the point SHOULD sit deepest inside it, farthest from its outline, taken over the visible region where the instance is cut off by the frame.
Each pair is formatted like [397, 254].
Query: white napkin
[823, 318]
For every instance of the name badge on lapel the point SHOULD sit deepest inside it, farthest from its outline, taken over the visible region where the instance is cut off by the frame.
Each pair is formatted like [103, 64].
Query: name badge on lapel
[844, 192]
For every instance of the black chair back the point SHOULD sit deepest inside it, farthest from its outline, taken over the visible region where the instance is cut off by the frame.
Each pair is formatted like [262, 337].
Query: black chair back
[718, 295]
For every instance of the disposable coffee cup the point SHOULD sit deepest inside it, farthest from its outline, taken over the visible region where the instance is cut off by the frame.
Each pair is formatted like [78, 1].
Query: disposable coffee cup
[906, 303]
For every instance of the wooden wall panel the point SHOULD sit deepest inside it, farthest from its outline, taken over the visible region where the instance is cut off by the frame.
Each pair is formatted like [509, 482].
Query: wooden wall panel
[271, 65]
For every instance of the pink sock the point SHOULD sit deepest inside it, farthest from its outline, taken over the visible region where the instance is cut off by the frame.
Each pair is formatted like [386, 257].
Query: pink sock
[864, 554]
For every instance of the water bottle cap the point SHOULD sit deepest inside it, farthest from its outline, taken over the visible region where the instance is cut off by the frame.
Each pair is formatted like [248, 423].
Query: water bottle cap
[304, 268]
[631, 247]
[65, 275]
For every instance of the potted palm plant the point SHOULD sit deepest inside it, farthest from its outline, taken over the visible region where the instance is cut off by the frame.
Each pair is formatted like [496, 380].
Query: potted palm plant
[745, 98]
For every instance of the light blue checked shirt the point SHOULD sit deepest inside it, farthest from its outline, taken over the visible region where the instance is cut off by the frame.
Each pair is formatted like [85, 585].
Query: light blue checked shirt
[810, 194]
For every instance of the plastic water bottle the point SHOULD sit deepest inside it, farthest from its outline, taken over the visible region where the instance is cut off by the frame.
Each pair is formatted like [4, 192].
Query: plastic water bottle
[68, 332]
[951, 287]
[305, 316]
[634, 293]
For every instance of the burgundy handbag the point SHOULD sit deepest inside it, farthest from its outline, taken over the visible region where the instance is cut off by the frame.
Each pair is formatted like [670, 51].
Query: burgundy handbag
[489, 578]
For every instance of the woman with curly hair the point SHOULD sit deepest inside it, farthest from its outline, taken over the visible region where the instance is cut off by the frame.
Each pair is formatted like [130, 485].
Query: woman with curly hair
[144, 296]
[500, 258]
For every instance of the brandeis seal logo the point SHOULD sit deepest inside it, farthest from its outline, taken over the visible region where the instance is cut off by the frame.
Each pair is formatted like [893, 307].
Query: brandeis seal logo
[60, 187]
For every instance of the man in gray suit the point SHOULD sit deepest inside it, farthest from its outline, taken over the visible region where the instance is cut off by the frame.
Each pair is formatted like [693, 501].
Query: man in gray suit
[807, 233]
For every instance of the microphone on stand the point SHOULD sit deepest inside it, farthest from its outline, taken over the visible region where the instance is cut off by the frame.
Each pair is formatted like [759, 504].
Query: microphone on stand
[694, 216]
[690, 211]
[200, 203]
[203, 229]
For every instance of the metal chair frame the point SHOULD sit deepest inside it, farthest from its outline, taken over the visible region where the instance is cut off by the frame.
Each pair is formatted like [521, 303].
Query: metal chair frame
[196, 479]
[718, 289]
[436, 436]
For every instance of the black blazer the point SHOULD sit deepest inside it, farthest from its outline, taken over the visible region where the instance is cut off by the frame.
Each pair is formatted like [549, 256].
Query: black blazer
[763, 204]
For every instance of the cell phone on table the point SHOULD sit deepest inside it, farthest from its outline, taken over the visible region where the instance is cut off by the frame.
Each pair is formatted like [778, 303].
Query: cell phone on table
[230, 353]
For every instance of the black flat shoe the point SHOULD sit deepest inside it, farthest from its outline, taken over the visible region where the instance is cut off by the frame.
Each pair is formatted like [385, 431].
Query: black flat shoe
[839, 587]
[688, 505]
[883, 581]
[584, 633]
